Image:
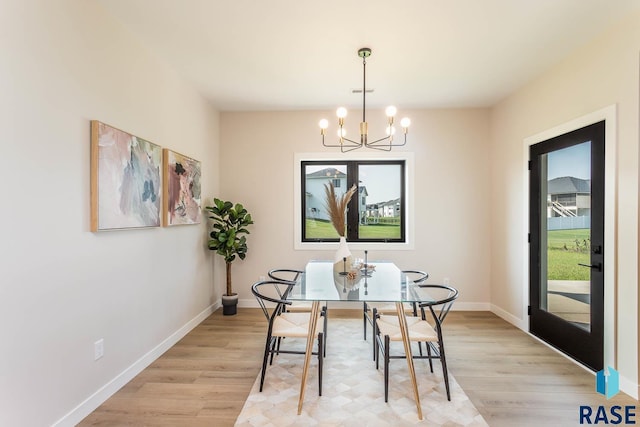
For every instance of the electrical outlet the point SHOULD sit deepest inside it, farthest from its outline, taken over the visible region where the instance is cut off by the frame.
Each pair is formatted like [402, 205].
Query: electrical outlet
[98, 349]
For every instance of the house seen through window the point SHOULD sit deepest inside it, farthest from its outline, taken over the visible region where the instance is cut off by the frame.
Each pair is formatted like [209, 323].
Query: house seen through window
[376, 213]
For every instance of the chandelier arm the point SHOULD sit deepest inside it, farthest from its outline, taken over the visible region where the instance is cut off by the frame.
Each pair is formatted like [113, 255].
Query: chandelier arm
[350, 148]
[378, 140]
[390, 144]
[351, 143]
[380, 147]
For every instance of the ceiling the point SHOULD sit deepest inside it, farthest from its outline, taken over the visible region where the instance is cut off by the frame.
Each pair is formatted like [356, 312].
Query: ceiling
[246, 55]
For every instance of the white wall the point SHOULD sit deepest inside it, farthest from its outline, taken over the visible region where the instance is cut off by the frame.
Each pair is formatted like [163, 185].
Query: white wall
[604, 72]
[451, 188]
[62, 287]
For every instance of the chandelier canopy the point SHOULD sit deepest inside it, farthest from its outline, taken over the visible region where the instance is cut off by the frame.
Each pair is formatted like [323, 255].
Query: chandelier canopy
[386, 143]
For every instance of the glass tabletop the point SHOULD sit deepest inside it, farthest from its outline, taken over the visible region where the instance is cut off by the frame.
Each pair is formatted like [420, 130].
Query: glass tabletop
[382, 281]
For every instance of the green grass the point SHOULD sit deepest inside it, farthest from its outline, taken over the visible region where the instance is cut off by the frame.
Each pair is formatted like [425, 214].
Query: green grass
[323, 230]
[320, 229]
[564, 254]
[379, 231]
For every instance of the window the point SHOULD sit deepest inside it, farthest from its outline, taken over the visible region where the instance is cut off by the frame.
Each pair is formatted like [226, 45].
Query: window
[375, 214]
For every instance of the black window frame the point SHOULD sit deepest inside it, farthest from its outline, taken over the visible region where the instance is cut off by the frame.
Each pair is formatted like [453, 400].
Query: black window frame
[353, 217]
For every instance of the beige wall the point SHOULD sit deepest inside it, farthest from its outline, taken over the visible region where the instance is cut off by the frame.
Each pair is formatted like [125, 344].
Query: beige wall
[62, 287]
[451, 188]
[603, 73]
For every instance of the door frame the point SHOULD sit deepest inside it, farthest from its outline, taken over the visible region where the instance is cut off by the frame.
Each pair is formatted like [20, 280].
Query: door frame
[609, 115]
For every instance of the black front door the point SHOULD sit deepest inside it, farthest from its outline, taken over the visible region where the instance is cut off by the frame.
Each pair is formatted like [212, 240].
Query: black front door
[566, 258]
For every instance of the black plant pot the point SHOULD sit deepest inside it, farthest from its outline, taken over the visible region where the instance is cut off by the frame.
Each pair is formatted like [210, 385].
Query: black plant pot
[229, 304]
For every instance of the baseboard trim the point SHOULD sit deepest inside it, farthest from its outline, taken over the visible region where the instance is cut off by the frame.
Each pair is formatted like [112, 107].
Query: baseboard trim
[515, 321]
[78, 413]
[629, 387]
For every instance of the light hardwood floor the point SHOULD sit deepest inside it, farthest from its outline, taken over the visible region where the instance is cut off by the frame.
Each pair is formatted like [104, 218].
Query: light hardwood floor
[205, 378]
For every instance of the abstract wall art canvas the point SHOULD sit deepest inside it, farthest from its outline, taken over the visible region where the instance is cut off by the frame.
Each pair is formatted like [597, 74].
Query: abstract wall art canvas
[182, 199]
[126, 180]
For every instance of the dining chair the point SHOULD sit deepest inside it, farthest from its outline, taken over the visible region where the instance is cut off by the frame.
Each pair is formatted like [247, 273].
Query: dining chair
[272, 297]
[420, 330]
[414, 276]
[292, 275]
[289, 275]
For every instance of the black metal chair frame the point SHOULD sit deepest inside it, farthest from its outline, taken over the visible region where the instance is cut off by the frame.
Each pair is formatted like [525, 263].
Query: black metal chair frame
[369, 318]
[272, 344]
[439, 310]
[273, 274]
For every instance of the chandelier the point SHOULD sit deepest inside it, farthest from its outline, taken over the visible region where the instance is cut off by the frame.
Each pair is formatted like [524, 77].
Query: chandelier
[345, 144]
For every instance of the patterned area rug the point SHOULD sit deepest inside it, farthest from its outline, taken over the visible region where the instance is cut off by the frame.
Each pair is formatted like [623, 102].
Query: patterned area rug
[353, 390]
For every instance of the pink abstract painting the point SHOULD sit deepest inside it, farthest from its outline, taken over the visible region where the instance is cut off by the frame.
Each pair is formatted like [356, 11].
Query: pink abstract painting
[183, 202]
[126, 181]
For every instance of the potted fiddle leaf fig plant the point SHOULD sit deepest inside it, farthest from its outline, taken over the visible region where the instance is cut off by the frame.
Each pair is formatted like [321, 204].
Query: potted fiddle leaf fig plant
[230, 222]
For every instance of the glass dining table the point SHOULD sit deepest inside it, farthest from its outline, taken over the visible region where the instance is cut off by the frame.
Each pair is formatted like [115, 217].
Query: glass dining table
[379, 281]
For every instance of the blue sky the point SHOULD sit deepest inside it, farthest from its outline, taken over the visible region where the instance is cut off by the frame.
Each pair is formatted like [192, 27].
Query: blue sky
[382, 182]
[572, 161]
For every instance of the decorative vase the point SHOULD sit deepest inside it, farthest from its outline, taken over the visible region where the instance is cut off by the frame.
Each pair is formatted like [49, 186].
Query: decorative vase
[343, 252]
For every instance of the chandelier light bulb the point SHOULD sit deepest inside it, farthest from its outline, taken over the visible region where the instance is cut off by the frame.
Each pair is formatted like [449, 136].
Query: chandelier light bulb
[342, 132]
[405, 122]
[390, 130]
[391, 111]
[341, 113]
[324, 123]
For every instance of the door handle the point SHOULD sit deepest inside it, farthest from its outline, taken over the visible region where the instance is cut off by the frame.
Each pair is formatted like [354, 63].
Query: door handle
[596, 266]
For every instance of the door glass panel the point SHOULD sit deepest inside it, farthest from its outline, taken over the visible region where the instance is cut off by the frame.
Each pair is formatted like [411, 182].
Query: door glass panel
[565, 234]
